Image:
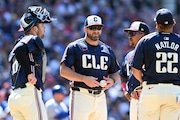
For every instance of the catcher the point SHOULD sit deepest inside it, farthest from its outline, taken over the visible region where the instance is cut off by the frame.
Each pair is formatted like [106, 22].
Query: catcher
[28, 65]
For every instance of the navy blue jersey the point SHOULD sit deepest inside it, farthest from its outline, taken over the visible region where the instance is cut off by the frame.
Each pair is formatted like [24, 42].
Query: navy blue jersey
[159, 53]
[97, 61]
[30, 60]
[125, 70]
[126, 73]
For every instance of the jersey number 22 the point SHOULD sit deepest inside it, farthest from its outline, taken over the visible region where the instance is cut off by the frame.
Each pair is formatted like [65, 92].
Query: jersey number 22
[166, 62]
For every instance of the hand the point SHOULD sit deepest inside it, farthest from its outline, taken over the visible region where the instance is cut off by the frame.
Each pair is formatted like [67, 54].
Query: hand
[136, 94]
[109, 81]
[32, 79]
[127, 95]
[91, 81]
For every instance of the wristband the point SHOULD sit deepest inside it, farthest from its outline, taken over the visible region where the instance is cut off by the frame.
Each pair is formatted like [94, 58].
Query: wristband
[123, 85]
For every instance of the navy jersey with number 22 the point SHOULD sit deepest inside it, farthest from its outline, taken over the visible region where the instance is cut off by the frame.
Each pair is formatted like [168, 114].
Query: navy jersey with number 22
[159, 53]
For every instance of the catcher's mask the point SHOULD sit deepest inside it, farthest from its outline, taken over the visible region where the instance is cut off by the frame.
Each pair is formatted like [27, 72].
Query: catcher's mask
[34, 16]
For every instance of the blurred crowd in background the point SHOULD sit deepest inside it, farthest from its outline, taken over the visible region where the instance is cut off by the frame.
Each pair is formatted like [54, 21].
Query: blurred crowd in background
[70, 15]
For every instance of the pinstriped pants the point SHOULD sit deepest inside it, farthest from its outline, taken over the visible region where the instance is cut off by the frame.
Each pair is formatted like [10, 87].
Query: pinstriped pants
[27, 104]
[133, 109]
[85, 106]
[159, 102]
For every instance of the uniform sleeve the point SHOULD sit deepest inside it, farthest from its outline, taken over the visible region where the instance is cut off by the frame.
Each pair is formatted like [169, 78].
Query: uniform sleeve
[69, 56]
[132, 83]
[123, 69]
[21, 54]
[114, 64]
[138, 56]
[122, 72]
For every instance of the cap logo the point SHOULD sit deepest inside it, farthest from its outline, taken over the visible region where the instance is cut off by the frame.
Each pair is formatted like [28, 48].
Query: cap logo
[95, 19]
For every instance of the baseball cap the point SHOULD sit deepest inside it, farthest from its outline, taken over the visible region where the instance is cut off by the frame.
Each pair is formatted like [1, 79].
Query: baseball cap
[93, 20]
[59, 89]
[138, 26]
[164, 17]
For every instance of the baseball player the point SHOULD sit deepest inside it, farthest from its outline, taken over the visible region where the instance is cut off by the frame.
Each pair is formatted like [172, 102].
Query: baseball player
[159, 53]
[86, 62]
[56, 108]
[136, 31]
[28, 63]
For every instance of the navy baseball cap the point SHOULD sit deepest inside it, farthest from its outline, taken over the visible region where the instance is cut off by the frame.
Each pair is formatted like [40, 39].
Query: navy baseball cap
[164, 17]
[93, 20]
[138, 26]
[59, 89]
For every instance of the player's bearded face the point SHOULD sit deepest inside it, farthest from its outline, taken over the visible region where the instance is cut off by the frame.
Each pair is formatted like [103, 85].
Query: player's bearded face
[94, 32]
[93, 36]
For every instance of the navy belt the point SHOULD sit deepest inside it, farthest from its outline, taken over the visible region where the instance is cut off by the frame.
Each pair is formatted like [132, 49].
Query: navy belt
[91, 91]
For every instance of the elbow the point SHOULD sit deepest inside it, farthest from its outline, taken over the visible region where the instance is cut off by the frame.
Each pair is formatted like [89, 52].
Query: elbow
[62, 70]
[61, 73]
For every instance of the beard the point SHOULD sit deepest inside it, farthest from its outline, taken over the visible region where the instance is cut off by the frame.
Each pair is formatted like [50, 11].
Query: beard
[93, 37]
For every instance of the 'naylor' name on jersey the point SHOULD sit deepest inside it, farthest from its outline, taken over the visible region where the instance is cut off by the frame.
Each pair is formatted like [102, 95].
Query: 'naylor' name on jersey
[167, 44]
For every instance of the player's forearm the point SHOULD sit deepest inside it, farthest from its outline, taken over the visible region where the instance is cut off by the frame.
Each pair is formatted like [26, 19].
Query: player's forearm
[115, 77]
[70, 74]
[123, 83]
[137, 74]
[123, 79]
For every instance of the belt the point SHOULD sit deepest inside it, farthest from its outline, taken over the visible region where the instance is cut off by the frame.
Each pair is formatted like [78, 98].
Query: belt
[90, 91]
[21, 87]
[26, 85]
[162, 84]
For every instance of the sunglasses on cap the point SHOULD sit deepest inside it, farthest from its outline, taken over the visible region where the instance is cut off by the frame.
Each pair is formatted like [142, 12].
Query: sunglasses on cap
[95, 27]
[133, 33]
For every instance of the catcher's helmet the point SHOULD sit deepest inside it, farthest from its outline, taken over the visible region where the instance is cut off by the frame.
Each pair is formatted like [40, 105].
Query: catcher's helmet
[59, 89]
[33, 16]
